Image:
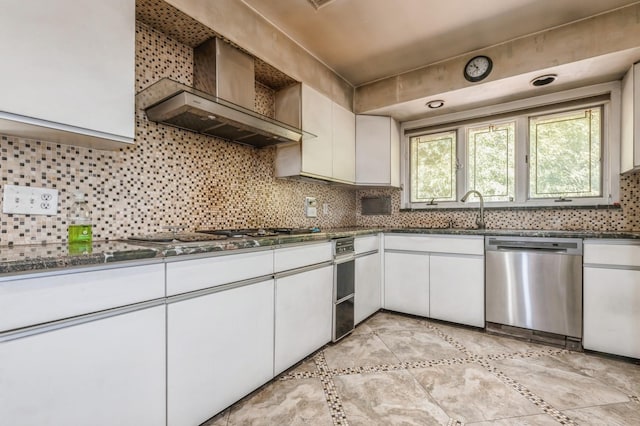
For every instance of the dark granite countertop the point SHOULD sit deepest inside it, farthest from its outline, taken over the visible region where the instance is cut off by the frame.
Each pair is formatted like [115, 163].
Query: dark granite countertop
[522, 233]
[41, 257]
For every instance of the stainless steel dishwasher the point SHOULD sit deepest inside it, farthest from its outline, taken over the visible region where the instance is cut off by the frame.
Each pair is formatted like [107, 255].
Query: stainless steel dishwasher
[534, 288]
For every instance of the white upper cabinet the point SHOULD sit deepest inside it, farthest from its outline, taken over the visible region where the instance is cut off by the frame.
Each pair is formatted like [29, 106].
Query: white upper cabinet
[317, 153]
[330, 155]
[344, 144]
[630, 131]
[377, 151]
[68, 71]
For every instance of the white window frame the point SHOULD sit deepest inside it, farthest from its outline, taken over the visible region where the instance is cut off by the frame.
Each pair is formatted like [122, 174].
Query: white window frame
[610, 145]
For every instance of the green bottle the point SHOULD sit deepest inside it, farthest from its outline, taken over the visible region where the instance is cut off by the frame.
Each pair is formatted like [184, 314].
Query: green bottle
[80, 229]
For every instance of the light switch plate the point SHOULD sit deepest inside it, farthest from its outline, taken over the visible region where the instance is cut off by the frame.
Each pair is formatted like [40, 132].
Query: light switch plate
[311, 207]
[29, 200]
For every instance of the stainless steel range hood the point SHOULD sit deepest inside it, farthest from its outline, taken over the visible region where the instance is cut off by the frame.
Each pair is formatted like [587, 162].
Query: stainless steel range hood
[219, 70]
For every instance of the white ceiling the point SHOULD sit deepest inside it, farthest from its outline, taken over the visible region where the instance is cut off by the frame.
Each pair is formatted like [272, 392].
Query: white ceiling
[366, 40]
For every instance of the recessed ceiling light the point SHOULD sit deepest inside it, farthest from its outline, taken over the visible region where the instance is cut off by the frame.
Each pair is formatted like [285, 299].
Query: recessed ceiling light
[438, 103]
[543, 80]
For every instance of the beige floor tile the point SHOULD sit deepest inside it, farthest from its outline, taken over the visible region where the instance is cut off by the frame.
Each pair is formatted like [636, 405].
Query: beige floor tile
[480, 343]
[611, 415]
[536, 420]
[308, 365]
[359, 351]
[389, 321]
[418, 345]
[559, 384]
[219, 420]
[290, 402]
[623, 375]
[471, 393]
[362, 328]
[389, 398]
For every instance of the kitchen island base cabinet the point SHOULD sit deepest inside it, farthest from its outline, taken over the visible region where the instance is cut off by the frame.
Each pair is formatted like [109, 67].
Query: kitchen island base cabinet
[368, 286]
[456, 289]
[406, 283]
[612, 311]
[108, 371]
[219, 349]
[303, 315]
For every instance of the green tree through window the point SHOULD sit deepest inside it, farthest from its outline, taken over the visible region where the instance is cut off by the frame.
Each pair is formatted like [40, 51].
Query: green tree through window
[433, 166]
[565, 152]
[491, 161]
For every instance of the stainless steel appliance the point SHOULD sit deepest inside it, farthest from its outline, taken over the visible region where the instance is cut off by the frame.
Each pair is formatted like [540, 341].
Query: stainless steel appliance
[343, 287]
[220, 103]
[259, 232]
[534, 288]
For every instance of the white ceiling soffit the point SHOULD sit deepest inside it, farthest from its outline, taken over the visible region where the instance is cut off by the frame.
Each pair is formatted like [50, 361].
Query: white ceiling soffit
[367, 40]
[590, 71]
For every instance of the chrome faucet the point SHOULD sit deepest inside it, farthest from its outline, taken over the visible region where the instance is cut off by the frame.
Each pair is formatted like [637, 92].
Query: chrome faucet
[480, 219]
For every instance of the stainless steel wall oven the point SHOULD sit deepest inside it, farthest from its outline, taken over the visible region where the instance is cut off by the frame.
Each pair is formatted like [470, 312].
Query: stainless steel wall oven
[343, 287]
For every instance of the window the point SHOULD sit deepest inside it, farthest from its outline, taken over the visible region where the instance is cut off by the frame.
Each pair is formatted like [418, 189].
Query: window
[565, 154]
[491, 161]
[433, 166]
[549, 154]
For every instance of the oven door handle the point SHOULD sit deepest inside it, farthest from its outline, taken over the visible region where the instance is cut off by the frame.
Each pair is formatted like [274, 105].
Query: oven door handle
[343, 258]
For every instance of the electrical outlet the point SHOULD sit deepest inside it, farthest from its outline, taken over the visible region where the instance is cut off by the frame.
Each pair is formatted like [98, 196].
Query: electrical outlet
[311, 207]
[325, 208]
[29, 200]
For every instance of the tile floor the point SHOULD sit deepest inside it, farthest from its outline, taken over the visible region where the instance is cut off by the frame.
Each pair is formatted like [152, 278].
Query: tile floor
[401, 370]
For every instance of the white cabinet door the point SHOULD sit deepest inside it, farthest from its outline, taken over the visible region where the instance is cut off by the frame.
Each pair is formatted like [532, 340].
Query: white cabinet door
[105, 372]
[456, 289]
[70, 65]
[630, 117]
[344, 144]
[406, 283]
[368, 291]
[317, 153]
[304, 303]
[219, 349]
[377, 151]
[612, 311]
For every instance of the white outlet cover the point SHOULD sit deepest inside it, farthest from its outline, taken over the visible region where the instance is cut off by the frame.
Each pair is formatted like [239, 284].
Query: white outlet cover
[311, 207]
[29, 200]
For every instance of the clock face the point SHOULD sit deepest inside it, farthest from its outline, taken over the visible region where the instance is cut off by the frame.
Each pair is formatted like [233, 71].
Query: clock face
[478, 68]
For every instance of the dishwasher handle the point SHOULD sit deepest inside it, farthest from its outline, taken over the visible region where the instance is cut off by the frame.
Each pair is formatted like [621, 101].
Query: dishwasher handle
[532, 249]
[535, 245]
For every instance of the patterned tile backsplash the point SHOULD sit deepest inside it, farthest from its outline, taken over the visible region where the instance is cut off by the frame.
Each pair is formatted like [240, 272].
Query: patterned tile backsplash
[176, 177]
[626, 218]
[170, 176]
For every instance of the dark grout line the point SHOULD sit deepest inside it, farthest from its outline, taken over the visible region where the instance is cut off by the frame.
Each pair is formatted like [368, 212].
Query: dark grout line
[328, 386]
[483, 361]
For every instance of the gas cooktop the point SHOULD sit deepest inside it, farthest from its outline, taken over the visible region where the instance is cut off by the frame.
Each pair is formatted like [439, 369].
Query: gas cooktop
[258, 232]
[172, 237]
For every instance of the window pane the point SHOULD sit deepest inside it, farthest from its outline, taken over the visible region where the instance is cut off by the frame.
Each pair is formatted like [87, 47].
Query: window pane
[491, 161]
[433, 166]
[565, 154]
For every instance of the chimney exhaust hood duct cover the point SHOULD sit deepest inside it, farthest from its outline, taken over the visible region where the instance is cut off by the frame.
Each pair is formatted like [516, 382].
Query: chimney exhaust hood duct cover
[219, 70]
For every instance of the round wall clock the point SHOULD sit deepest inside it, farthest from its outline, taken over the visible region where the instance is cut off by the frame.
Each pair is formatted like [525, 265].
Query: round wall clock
[478, 68]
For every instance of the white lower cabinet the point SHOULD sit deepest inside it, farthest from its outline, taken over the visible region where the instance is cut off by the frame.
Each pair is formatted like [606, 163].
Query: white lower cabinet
[368, 286]
[304, 303]
[611, 297]
[219, 349]
[612, 311]
[406, 283]
[436, 276]
[456, 289]
[108, 371]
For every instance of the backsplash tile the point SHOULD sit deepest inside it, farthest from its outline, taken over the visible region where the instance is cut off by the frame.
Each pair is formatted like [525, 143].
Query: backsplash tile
[625, 219]
[170, 176]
